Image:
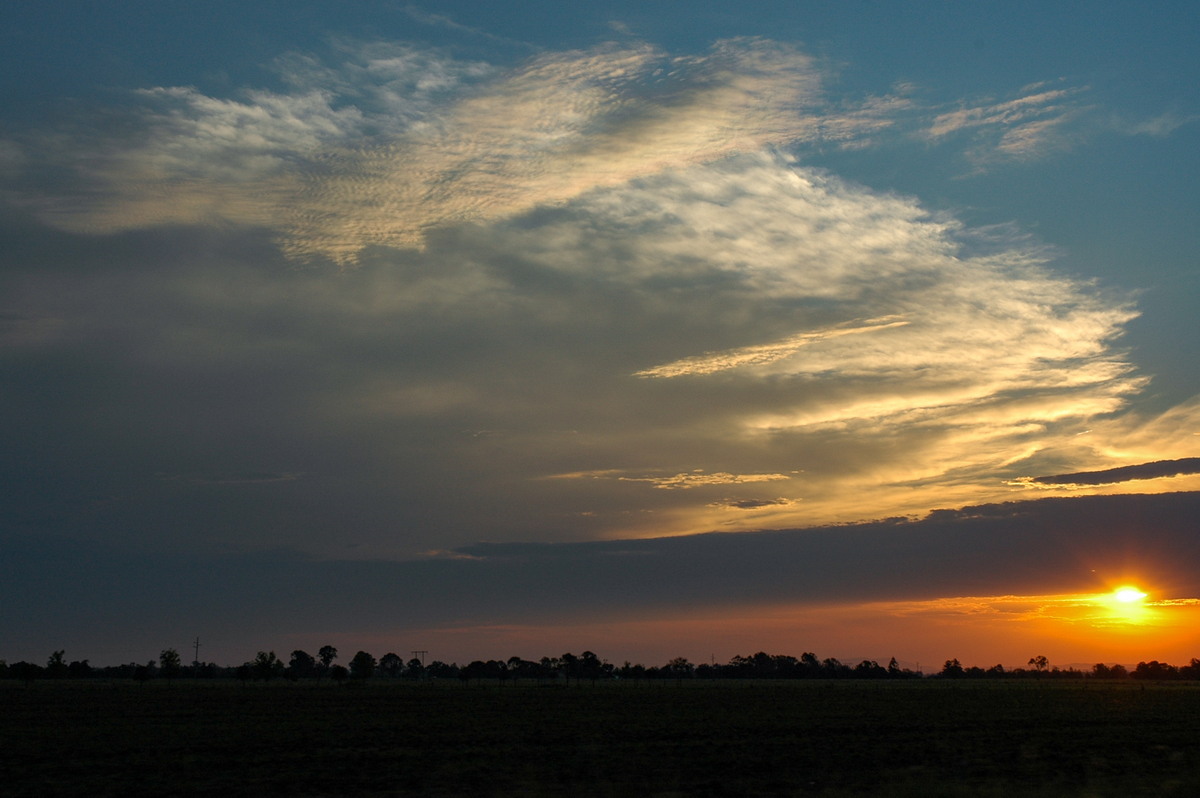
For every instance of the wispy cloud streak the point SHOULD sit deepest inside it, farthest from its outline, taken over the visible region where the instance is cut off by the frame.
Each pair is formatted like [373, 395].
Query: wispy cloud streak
[1024, 128]
[760, 354]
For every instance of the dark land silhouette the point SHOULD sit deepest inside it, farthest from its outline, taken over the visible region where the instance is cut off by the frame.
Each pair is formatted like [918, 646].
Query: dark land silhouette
[567, 668]
[671, 732]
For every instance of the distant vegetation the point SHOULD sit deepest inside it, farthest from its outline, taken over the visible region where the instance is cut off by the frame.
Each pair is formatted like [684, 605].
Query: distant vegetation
[567, 668]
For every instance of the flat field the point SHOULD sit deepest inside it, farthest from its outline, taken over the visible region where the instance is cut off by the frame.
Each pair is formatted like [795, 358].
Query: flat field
[650, 739]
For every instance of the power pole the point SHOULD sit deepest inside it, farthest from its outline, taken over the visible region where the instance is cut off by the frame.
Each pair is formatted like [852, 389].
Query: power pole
[421, 655]
[196, 656]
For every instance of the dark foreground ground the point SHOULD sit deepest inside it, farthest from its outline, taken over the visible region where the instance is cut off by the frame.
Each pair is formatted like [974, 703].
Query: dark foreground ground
[701, 739]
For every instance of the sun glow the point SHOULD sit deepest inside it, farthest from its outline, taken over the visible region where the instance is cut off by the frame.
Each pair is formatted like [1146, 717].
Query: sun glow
[1127, 604]
[1128, 595]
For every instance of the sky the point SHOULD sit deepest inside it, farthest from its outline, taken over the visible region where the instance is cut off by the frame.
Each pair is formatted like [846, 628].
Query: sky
[652, 329]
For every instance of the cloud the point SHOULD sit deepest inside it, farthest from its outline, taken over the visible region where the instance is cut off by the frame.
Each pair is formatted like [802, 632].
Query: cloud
[1159, 126]
[685, 481]
[754, 504]
[638, 286]
[1155, 470]
[699, 478]
[398, 141]
[760, 354]
[1005, 114]
[993, 351]
[1024, 128]
[1023, 550]
[440, 21]
[798, 336]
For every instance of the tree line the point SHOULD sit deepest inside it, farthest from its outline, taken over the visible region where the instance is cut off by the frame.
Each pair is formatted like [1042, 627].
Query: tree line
[567, 668]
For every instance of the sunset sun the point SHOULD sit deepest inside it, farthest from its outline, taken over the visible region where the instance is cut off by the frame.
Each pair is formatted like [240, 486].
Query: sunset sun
[1129, 595]
[1126, 604]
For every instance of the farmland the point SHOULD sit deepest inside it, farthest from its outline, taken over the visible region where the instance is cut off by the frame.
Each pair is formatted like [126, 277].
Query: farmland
[701, 738]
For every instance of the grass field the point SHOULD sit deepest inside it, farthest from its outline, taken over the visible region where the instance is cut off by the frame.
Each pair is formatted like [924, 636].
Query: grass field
[698, 738]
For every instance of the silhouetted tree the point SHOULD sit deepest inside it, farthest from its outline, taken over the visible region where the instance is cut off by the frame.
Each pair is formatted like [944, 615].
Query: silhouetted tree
[870, 669]
[832, 668]
[1155, 670]
[144, 673]
[79, 669]
[440, 670]
[953, 669]
[338, 673]
[786, 667]
[267, 666]
[56, 665]
[391, 665]
[569, 665]
[326, 655]
[169, 664]
[763, 665]
[679, 668]
[631, 671]
[476, 669]
[1039, 663]
[526, 669]
[25, 671]
[362, 666]
[301, 665]
[413, 669]
[589, 666]
[205, 670]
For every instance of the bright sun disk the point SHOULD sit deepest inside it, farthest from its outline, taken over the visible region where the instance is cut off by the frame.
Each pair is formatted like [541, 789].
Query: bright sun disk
[1128, 595]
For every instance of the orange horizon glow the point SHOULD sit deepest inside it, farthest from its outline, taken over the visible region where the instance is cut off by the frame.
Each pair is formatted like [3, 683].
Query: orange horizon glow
[1071, 630]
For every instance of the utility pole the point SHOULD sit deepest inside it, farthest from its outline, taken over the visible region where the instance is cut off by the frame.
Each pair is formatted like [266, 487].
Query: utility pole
[196, 648]
[421, 656]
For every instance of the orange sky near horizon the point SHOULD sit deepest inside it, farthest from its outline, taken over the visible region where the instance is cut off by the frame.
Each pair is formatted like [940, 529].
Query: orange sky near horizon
[1071, 630]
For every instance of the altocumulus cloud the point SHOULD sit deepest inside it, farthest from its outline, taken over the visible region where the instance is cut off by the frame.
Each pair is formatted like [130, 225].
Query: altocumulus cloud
[400, 140]
[609, 262]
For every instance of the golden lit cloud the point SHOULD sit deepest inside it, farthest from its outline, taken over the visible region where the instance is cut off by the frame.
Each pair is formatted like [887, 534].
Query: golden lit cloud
[698, 479]
[426, 141]
[682, 481]
[761, 354]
